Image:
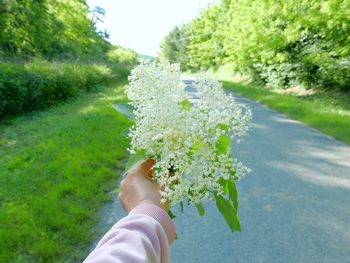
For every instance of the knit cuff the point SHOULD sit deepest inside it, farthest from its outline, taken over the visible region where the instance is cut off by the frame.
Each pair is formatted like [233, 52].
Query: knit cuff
[160, 215]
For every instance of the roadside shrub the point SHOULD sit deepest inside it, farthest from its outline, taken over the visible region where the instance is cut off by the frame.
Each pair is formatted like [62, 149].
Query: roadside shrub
[120, 71]
[336, 74]
[123, 56]
[12, 90]
[39, 84]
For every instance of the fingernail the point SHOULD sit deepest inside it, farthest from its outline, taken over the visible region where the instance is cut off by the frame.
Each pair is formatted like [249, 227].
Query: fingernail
[149, 172]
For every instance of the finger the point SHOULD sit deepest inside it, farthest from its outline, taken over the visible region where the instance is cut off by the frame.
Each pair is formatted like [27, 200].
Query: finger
[147, 165]
[149, 173]
[121, 200]
[122, 184]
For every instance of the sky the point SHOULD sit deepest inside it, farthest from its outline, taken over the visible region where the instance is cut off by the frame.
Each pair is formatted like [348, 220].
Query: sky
[141, 25]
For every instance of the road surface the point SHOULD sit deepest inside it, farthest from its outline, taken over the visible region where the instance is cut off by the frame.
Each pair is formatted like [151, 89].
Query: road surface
[294, 205]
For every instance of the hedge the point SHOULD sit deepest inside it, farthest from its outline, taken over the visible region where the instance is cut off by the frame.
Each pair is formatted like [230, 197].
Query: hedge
[39, 84]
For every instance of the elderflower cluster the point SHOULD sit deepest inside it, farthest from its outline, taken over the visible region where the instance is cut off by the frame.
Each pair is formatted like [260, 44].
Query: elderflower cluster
[183, 138]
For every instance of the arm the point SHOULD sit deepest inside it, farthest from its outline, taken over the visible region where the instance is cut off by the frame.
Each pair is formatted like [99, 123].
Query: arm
[142, 236]
[146, 233]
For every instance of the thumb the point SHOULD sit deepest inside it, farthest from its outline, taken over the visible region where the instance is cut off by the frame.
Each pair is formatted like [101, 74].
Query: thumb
[147, 165]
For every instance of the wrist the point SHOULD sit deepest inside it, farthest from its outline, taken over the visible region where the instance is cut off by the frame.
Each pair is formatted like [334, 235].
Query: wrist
[149, 201]
[165, 206]
[158, 214]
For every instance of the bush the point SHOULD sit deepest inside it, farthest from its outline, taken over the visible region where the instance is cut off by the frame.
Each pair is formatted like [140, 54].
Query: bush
[336, 74]
[122, 56]
[39, 84]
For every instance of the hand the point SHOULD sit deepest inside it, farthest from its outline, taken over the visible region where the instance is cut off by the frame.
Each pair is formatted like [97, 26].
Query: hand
[137, 188]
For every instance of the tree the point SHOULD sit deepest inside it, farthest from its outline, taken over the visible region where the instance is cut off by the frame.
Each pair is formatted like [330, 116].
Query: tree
[174, 46]
[281, 43]
[205, 48]
[49, 28]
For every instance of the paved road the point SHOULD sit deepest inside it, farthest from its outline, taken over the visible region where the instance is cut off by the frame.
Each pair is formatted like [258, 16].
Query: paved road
[294, 206]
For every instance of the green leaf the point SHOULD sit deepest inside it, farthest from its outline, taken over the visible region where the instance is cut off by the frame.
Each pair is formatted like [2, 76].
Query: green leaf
[172, 216]
[125, 132]
[223, 127]
[126, 110]
[228, 212]
[182, 206]
[186, 105]
[200, 209]
[136, 159]
[233, 193]
[223, 145]
[224, 185]
[196, 146]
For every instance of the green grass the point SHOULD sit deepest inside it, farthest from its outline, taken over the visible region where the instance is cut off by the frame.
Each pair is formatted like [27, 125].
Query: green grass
[56, 168]
[327, 111]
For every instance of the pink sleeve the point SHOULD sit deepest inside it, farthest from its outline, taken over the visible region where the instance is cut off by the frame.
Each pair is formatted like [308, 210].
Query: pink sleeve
[143, 236]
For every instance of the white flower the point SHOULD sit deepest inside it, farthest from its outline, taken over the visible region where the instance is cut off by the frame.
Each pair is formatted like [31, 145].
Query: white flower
[183, 141]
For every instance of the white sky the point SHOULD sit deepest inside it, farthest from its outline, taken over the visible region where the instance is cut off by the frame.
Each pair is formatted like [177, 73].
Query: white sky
[142, 24]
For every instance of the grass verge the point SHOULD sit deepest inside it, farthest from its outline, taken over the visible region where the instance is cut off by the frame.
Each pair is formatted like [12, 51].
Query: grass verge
[56, 168]
[326, 111]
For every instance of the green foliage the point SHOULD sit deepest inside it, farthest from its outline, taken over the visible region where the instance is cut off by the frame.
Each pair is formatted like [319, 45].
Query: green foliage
[186, 105]
[229, 207]
[171, 214]
[305, 48]
[205, 46]
[122, 56]
[229, 212]
[39, 84]
[136, 159]
[49, 28]
[281, 43]
[174, 46]
[233, 193]
[200, 209]
[224, 144]
[56, 169]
